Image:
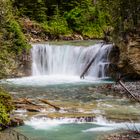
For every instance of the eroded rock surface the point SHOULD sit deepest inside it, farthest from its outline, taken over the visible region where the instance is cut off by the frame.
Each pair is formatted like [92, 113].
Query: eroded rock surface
[129, 62]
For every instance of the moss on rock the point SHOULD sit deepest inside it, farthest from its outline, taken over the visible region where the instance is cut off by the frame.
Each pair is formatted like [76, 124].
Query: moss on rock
[6, 107]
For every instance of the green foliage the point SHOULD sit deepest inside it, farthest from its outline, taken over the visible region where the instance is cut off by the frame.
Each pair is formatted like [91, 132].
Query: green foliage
[35, 9]
[86, 17]
[4, 116]
[66, 16]
[5, 107]
[75, 19]
[12, 39]
[88, 22]
[124, 14]
[11, 32]
[57, 25]
[15, 33]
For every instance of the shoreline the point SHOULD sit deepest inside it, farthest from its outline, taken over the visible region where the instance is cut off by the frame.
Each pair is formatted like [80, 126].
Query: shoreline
[133, 86]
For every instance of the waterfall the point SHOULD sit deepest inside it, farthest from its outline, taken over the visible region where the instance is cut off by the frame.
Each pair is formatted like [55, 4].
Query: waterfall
[69, 60]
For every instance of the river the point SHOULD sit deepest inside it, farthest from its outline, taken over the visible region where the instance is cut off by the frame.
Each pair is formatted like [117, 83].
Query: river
[88, 109]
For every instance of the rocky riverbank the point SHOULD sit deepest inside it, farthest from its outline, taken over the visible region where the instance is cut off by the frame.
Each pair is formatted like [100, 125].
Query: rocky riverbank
[134, 87]
[36, 32]
[11, 134]
[129, 59]
[128, 135]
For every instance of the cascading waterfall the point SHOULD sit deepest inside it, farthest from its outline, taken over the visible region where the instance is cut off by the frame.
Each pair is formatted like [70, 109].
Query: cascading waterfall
[69, 60]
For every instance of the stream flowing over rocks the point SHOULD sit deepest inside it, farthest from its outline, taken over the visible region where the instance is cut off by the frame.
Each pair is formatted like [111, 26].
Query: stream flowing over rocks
[55, 103]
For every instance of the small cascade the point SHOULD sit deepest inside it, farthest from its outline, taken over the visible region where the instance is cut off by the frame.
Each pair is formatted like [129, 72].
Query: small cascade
[69, 60]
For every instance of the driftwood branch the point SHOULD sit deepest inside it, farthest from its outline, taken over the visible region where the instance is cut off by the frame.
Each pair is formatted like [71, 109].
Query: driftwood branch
[119, 78]
[46, 102]
[27, 101]
[27, 104]
[24, 101]
[128, 91]
[89, 64]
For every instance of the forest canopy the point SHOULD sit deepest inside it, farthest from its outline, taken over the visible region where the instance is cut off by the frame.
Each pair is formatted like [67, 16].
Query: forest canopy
[87, 17]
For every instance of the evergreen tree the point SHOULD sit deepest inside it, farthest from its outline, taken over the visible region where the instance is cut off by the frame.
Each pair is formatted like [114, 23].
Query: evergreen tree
[35, 9]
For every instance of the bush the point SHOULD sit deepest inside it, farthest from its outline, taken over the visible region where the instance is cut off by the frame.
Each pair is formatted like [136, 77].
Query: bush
[92, 31]
[17, 36]
[58, 26]
[87, 21]
[75, 19]
[6, 107]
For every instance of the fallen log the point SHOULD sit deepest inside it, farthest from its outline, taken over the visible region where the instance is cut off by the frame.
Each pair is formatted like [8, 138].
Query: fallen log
[128, 91]
[46, 102]
[30, 108]
[19, 101]
[24, 101]
[89, 64]
[27, 101]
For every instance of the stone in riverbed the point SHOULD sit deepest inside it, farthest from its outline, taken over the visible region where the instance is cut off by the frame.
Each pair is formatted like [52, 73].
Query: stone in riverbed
[16, 122]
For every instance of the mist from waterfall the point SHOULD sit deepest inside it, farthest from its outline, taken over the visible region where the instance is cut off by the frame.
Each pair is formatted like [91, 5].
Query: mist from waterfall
[69, 60]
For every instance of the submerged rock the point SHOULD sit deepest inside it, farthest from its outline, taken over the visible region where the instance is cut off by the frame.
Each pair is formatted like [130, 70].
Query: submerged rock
[16, 122]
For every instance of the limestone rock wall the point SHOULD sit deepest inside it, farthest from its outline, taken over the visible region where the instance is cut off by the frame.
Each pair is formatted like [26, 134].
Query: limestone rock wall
[129, 59]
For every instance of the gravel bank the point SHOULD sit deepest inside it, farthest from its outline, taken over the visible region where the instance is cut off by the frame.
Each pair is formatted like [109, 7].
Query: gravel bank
[134, 87]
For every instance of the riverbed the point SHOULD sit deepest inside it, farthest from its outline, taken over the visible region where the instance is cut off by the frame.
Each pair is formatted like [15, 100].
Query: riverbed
[88, 109]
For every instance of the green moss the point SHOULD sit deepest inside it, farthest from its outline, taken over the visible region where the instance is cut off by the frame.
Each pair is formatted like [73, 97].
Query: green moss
[4, 116]
[6, 107]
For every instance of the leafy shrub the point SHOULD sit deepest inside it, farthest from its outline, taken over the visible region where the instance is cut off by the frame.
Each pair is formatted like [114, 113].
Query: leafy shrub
[5, 107]
[92, 31]
[16, 34]
[87, 21]
[58, 26]
[75, 19]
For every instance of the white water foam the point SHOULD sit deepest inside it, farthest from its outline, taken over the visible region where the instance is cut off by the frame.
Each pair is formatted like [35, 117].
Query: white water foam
[47, 123]
[100, 122]
[106, 125]
[52, 80]
[114, 126]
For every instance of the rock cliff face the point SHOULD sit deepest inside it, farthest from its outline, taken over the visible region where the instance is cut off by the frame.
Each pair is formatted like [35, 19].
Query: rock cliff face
[129, 59]
[16, 66]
